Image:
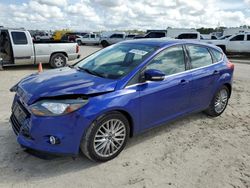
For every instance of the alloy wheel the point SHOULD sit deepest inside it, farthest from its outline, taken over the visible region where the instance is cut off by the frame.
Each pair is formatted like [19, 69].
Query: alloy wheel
[109, 138]
[221, 101]
[58, 61]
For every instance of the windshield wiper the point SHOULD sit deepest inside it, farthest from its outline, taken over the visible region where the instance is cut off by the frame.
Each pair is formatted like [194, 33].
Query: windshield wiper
[91, 72]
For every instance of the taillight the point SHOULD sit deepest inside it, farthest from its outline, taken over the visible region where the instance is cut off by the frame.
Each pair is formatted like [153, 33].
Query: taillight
[230, 65]
[77, 48]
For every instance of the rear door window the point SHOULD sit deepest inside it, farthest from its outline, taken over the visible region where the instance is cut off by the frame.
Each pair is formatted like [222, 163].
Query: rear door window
[248, 37]
[19, 38]
[199, 56]
[238, 38]
[117, 36]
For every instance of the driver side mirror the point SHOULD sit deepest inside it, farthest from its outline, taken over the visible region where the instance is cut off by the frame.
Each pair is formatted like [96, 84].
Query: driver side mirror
[154, 75]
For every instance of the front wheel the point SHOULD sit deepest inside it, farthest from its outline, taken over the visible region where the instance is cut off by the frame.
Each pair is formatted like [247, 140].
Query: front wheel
[106, 137]
[219, 102]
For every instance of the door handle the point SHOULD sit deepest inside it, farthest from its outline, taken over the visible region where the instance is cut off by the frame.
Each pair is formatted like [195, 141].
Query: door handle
[183, 82]
[216, 72]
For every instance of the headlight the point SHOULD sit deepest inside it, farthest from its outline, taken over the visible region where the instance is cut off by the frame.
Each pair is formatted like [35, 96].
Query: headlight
[56, 107]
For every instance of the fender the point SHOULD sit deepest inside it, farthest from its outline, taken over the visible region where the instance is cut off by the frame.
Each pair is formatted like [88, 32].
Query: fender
[224, 79]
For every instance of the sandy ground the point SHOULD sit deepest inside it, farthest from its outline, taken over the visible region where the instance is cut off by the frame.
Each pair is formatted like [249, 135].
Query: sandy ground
[194, 151]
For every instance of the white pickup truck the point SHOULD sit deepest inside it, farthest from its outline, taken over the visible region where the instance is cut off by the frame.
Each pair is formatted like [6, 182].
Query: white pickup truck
[90, 38]
[236, 44]
[18, 48]
[112, 38]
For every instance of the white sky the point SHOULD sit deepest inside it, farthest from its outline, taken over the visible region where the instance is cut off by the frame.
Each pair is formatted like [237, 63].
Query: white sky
[123, 14]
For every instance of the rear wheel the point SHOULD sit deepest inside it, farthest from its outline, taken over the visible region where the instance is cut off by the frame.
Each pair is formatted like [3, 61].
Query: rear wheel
[104, 43]
[219, 102]
[58, 60]
[79, 42]
[106, 137]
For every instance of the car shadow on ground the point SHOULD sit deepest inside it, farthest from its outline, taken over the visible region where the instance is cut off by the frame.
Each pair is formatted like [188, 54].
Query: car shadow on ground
[166, 128]
[25, 67]
[24, 164]
[240, 56]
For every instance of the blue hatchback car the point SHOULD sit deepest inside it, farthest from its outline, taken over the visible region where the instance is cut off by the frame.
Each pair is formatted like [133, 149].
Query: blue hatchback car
[120, 91]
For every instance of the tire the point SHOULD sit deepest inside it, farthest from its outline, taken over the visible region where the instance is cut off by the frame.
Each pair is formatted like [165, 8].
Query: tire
[99, 145]
[79, 42]
[1, 65]
[58, 60]
[220, 98]
[104, 44]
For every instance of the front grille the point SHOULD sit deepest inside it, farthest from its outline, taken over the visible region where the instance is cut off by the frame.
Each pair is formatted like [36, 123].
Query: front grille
[19, 117]
[15, 124]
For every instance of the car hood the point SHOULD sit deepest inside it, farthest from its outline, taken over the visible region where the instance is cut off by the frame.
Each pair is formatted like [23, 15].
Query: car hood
[64, 81]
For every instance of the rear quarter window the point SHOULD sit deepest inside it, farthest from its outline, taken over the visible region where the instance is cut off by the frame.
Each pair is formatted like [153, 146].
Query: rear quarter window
[199, 56]
[216, 55]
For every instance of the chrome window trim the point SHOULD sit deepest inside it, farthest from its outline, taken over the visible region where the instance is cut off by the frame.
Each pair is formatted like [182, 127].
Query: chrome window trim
[189, 70]
[186, 71]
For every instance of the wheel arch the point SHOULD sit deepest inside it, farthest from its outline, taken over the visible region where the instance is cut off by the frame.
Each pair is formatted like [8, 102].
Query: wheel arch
[60, 52]
[130, 120]
[229, 87]
[126, 114]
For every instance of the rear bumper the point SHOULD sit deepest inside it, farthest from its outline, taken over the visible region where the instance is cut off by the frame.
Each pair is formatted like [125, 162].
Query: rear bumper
[72, 57]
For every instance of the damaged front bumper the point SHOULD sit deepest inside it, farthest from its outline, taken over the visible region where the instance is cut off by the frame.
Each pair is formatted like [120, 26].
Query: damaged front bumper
[37, 132]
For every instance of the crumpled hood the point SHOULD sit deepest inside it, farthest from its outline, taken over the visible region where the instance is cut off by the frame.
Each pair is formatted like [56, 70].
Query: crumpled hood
[64, 81]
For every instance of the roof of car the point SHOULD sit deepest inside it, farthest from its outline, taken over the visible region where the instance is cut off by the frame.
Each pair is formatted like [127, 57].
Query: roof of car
[162, 42]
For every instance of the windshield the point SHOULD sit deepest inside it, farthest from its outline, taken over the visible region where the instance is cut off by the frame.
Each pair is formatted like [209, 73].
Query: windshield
[115, 61]
[86, 36]
[224, 37]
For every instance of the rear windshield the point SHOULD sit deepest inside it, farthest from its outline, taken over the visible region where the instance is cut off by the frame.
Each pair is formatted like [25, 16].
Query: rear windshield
[188, 36]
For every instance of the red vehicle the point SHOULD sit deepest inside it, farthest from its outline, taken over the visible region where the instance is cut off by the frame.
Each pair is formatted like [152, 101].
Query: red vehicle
[72, 36]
